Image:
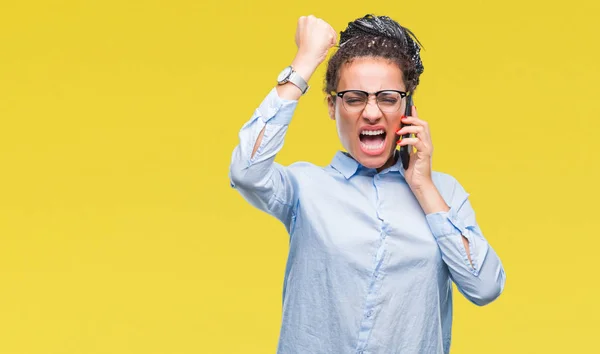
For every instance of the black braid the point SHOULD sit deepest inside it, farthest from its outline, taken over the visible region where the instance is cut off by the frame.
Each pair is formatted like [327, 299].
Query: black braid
[377, 36]
[385, 27]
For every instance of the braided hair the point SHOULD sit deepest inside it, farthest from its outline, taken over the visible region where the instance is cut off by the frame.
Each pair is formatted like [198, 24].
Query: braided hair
[377, 36]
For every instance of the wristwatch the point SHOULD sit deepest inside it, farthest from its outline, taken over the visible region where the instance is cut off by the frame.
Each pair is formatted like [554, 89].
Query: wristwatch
[289, 75]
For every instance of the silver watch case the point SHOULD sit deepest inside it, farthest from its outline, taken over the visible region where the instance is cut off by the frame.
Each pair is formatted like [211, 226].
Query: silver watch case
[289, 75]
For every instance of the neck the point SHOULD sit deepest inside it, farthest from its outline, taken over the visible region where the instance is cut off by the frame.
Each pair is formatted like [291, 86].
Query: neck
[390, 162]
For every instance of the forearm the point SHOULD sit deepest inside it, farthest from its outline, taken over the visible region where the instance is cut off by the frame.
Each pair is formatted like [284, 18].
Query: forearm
[482, 280]
[253, 171]
[266, 184]
[473, 264]
[288, 91]
[431, 201]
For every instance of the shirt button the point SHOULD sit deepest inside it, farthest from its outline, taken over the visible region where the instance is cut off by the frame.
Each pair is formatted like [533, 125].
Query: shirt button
[369, 314]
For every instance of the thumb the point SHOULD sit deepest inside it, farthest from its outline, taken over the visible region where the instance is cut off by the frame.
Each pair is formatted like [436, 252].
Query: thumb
[334, 40]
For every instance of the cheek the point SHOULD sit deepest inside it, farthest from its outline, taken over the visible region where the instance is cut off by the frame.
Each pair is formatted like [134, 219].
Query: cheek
[344, 123]
[345, 128]
[396, 121]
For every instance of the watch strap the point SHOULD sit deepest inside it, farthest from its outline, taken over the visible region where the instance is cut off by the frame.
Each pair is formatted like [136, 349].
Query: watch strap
[295, 79]
[299, 81]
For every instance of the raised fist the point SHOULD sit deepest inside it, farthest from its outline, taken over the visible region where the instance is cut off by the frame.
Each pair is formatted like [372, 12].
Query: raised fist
[314, 38]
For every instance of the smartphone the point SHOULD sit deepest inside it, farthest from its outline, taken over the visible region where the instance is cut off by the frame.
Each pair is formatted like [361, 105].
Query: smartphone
[404, 150]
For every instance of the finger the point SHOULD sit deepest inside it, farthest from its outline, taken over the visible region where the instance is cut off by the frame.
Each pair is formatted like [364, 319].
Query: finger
[409, 141]
[421, 131]
[333, 37]
[411, 129]
[414, 120]
[334, 34]
[414, 111]
[414, 142]
[301, 23]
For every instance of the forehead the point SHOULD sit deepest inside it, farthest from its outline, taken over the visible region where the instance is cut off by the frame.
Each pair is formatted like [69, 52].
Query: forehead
[370, 74]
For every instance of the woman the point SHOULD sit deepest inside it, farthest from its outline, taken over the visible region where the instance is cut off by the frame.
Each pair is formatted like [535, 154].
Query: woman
[374, 247]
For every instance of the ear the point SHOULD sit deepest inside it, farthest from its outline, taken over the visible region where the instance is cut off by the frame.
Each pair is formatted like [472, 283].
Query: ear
[331, 106]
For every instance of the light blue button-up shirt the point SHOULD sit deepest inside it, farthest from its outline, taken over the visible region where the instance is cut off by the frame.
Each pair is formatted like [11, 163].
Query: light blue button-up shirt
[368, 271]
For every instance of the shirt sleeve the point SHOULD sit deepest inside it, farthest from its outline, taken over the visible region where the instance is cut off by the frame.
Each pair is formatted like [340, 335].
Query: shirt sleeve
[482, 281]
[262, 182]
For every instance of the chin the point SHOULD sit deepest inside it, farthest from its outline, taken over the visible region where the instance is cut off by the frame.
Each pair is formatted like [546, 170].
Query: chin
[370, 160]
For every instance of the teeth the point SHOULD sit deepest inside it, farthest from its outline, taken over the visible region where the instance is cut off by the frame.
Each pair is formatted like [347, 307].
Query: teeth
[372, 147]
[372, 132]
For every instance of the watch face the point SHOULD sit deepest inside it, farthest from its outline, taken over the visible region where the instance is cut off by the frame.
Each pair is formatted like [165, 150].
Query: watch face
[285, 73]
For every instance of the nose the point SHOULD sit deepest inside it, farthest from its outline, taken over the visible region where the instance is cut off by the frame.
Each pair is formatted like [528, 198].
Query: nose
[372, 113]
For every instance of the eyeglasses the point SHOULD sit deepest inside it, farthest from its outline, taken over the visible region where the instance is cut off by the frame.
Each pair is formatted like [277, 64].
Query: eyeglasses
[388, 101]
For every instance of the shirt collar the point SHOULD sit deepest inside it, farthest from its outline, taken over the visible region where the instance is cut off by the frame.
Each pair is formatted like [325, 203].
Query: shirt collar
[348, 166]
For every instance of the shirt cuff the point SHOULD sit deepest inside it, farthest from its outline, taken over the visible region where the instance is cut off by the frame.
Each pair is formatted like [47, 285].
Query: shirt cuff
[277, 110]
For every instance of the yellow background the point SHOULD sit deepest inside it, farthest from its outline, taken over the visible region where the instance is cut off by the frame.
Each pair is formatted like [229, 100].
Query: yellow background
[119, 232]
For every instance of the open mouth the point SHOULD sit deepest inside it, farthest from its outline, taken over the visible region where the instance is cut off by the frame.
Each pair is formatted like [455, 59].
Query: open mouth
[372, 142]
